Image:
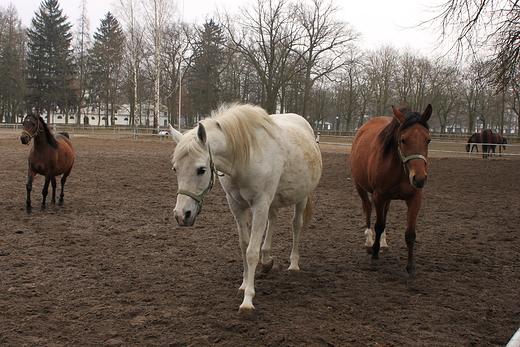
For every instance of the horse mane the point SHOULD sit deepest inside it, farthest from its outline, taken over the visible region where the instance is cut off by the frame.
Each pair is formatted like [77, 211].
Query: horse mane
[239, 123]
[388, 137]
[50, 137]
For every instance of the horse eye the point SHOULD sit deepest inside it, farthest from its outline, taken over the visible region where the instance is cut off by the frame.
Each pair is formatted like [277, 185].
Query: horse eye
[403, 141]
[174, 169]
[201, 170]
[429, 140]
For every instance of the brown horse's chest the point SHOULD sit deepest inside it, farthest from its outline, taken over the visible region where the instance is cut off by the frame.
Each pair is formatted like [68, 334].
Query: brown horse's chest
[392, 186]
[43, 162]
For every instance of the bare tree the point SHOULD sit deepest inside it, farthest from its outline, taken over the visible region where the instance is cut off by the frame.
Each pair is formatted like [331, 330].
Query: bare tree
[12, 68]
[158, 14]
[489, 25]
[380, 69]
[325, 42]
[81, 47]
[267, 34]
[127, 11]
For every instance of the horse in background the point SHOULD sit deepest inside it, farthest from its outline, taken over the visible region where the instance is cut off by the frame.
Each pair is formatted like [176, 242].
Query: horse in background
[499, 140]
[264, 162]
[473, 142]
[486, 138]
[389, 161]
[50, 156]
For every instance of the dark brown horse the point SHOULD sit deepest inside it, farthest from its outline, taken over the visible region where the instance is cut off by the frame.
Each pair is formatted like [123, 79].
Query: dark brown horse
[50, 156]
[486, 138]
[389, 160]
[499, 140]
[473, 142]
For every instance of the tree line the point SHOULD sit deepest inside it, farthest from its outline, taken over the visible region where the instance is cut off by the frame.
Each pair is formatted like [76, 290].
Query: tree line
[286, 57]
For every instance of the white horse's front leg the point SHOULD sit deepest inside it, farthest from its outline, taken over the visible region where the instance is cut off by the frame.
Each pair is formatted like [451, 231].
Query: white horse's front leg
[259, 223]
[241, 215]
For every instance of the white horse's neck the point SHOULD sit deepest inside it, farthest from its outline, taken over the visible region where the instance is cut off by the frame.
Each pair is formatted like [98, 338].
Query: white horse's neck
[222, 158]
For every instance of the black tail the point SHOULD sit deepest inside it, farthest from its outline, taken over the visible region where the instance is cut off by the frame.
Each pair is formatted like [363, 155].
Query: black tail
[66, 134]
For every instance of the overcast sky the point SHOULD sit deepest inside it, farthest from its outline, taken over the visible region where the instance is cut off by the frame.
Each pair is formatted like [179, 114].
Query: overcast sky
[381, 22]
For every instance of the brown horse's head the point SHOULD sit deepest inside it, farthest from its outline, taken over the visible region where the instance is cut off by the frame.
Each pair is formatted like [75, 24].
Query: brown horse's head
[34, 125]
[413, 137]
[31, 128]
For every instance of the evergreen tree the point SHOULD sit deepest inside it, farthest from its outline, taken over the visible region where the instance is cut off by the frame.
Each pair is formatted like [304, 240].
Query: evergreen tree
[106, 57]
[204, 75]
[50, 61]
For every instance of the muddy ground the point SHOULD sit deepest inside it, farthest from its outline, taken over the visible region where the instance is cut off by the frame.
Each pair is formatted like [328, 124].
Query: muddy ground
[111, 268]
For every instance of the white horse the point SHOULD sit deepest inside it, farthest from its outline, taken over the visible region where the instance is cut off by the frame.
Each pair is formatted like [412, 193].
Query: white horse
[263, 163]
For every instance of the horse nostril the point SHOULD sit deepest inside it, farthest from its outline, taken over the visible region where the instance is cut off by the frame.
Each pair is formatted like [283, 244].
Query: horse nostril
[187, 215]
[419, 183]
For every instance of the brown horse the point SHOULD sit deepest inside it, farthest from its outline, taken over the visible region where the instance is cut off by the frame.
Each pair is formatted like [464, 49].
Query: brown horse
[389, 161]
[486, 138]
[473, 142]
[50, 156]
[499, 140]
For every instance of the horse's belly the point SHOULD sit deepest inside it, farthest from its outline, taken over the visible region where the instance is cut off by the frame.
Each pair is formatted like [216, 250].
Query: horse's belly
[288, 194]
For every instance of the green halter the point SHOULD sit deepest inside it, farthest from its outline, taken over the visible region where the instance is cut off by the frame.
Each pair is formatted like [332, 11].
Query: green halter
[35, 133]
[408, 158]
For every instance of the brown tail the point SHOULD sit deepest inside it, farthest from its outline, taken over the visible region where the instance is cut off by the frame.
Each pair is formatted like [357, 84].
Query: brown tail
[307, 212]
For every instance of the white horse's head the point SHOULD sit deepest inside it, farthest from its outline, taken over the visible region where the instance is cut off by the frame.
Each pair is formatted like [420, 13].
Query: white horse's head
[193, 164]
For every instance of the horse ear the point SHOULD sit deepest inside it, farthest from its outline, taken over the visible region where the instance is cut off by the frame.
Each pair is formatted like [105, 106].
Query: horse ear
[176, 135]
[201, 133]
[427, 113]
[399, 115]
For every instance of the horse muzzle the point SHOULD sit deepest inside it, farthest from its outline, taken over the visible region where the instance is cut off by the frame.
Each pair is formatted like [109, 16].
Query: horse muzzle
[418, 182]
[25, 139]
[186, 217]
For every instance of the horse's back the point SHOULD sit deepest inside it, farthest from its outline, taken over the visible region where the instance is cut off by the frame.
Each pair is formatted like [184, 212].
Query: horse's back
[486, 136]
[293, 119]
[301, 155]
[366, 142]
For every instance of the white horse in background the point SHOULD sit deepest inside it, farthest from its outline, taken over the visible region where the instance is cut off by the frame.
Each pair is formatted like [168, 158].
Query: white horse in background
[264, 162]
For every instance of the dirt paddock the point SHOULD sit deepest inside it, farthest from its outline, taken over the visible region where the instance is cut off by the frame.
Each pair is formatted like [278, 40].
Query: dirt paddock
[111, 268]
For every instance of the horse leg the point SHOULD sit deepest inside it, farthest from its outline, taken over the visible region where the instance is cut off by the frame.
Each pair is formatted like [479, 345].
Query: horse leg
[382, 207]
[383, 242]
[297, 224]
[414, 206]
[367, 209]
[241, 215]
[62, 191]
[266, 259]
[53, 185]
[45, 191]
[28, 187]
[260, 213]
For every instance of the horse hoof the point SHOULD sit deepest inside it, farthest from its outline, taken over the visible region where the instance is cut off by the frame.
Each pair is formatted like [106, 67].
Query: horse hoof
[369, 250]
[246, 312]
[268, 266]
[294, 272]
[411, 278]
[375, 262]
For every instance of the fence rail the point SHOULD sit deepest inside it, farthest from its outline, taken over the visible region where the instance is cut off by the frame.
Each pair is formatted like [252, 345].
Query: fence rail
[440, 143]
